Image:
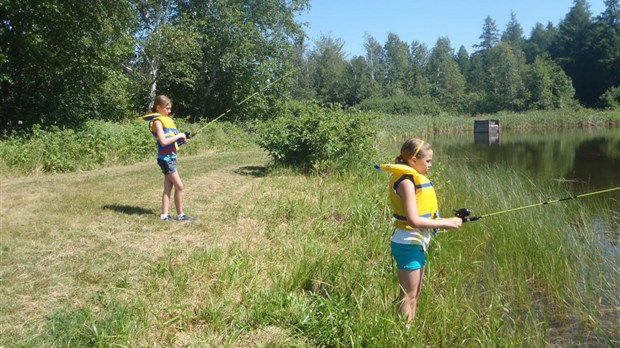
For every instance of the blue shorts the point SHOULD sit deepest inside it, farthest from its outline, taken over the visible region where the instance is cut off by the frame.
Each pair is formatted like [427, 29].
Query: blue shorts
[408, 256]
[168, 165]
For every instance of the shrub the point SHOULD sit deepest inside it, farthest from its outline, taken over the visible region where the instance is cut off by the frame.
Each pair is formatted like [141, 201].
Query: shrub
[309, 137]
[401, 105]
[610, 100]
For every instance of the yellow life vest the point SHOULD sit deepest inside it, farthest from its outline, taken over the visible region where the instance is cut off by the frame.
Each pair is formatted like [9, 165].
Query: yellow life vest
[170, 130]
[425, 196]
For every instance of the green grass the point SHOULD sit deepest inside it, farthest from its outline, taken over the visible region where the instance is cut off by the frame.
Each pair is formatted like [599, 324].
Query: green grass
[281, 259]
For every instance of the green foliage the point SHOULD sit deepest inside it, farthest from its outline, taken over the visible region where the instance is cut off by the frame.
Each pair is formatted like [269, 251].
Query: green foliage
[548, 86]
[611, 99]
[63, 150]
[100, 143]
[83, 328]
[314, 138]
[401, 105]
[63, 66]
[230, 50]
[328, 66]
[316, 269]
[397, 61]
[447, 82]
[573, 50]
[504, 89]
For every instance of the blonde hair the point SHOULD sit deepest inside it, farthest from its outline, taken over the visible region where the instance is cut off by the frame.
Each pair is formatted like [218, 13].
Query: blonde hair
[160, 100]
[412, 148]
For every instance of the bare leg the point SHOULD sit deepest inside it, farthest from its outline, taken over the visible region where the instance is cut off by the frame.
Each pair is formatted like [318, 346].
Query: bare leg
[411, 287]
[175, 180]
[165, 197]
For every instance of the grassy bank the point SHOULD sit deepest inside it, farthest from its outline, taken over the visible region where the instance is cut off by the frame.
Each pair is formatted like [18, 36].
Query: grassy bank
[102, 144]
[508, 120]
[281, 259]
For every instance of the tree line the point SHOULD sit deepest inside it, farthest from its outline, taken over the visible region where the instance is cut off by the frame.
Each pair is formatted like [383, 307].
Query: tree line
[65, 62]
[557, 66]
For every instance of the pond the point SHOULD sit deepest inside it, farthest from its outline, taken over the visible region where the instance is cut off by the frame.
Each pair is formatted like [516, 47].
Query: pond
[589, 158]
[584, 160]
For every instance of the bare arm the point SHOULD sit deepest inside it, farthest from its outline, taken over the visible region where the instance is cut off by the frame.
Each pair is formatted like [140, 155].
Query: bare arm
[406, 191]
[159, 128]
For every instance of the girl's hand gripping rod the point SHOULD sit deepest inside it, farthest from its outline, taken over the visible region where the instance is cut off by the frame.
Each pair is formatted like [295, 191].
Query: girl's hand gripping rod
[464, 213]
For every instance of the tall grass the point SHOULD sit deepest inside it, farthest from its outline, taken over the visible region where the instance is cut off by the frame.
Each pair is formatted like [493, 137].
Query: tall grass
[281, 259]
[102, 144]
[446, 124]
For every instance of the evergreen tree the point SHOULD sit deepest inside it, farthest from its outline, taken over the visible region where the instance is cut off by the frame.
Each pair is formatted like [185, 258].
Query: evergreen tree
[606, 46]
[490, 35]
[539, 84]
[540, 41]
[573, 50]
[513, 33]
[462, 59]
[505, 89]
[397, 63]
[447, 82]
[476, 75]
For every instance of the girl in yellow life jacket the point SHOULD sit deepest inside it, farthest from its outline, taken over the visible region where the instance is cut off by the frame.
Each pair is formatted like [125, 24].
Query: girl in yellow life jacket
[163, 128]
[414, 206]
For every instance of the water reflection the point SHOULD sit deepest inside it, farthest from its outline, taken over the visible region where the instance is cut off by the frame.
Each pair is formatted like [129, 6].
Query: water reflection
[486, 138]
[590, 159]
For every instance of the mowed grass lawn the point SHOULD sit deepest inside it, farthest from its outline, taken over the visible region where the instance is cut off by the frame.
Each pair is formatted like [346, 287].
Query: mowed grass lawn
[67, 238]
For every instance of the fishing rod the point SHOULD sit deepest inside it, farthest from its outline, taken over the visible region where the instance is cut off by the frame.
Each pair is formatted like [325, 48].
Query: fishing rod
[240, 103]
[465, 213]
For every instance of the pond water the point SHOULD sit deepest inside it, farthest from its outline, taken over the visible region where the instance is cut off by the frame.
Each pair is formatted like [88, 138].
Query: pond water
[588, 158]
[584, 160]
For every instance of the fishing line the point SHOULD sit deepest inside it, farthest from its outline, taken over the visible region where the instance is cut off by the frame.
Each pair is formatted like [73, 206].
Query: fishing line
[241, 102]
[464, 213]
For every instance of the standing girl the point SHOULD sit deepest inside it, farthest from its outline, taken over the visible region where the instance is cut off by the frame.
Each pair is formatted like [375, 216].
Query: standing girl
[168, 140]
[414, 206]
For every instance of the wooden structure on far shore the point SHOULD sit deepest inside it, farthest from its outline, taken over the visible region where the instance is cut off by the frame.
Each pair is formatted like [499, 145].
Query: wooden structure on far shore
[486, 131]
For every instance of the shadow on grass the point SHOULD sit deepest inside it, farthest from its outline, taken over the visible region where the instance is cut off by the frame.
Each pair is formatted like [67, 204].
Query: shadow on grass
[128, 209]
[256, 171]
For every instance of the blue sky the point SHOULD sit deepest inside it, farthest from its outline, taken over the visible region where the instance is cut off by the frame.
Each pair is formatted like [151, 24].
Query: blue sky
[426, 20]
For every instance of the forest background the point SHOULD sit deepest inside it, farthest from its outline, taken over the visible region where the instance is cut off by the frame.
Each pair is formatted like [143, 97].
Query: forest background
[64, 63]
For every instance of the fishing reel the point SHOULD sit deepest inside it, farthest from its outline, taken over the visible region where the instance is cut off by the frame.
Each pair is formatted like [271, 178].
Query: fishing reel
[464, 214]
[187, 136]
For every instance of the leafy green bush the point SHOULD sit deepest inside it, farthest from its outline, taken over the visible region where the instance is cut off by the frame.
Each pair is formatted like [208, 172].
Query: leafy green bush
[100, 143]
[610, 100]
[313, 138]
[401, 105]
[63, 150]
